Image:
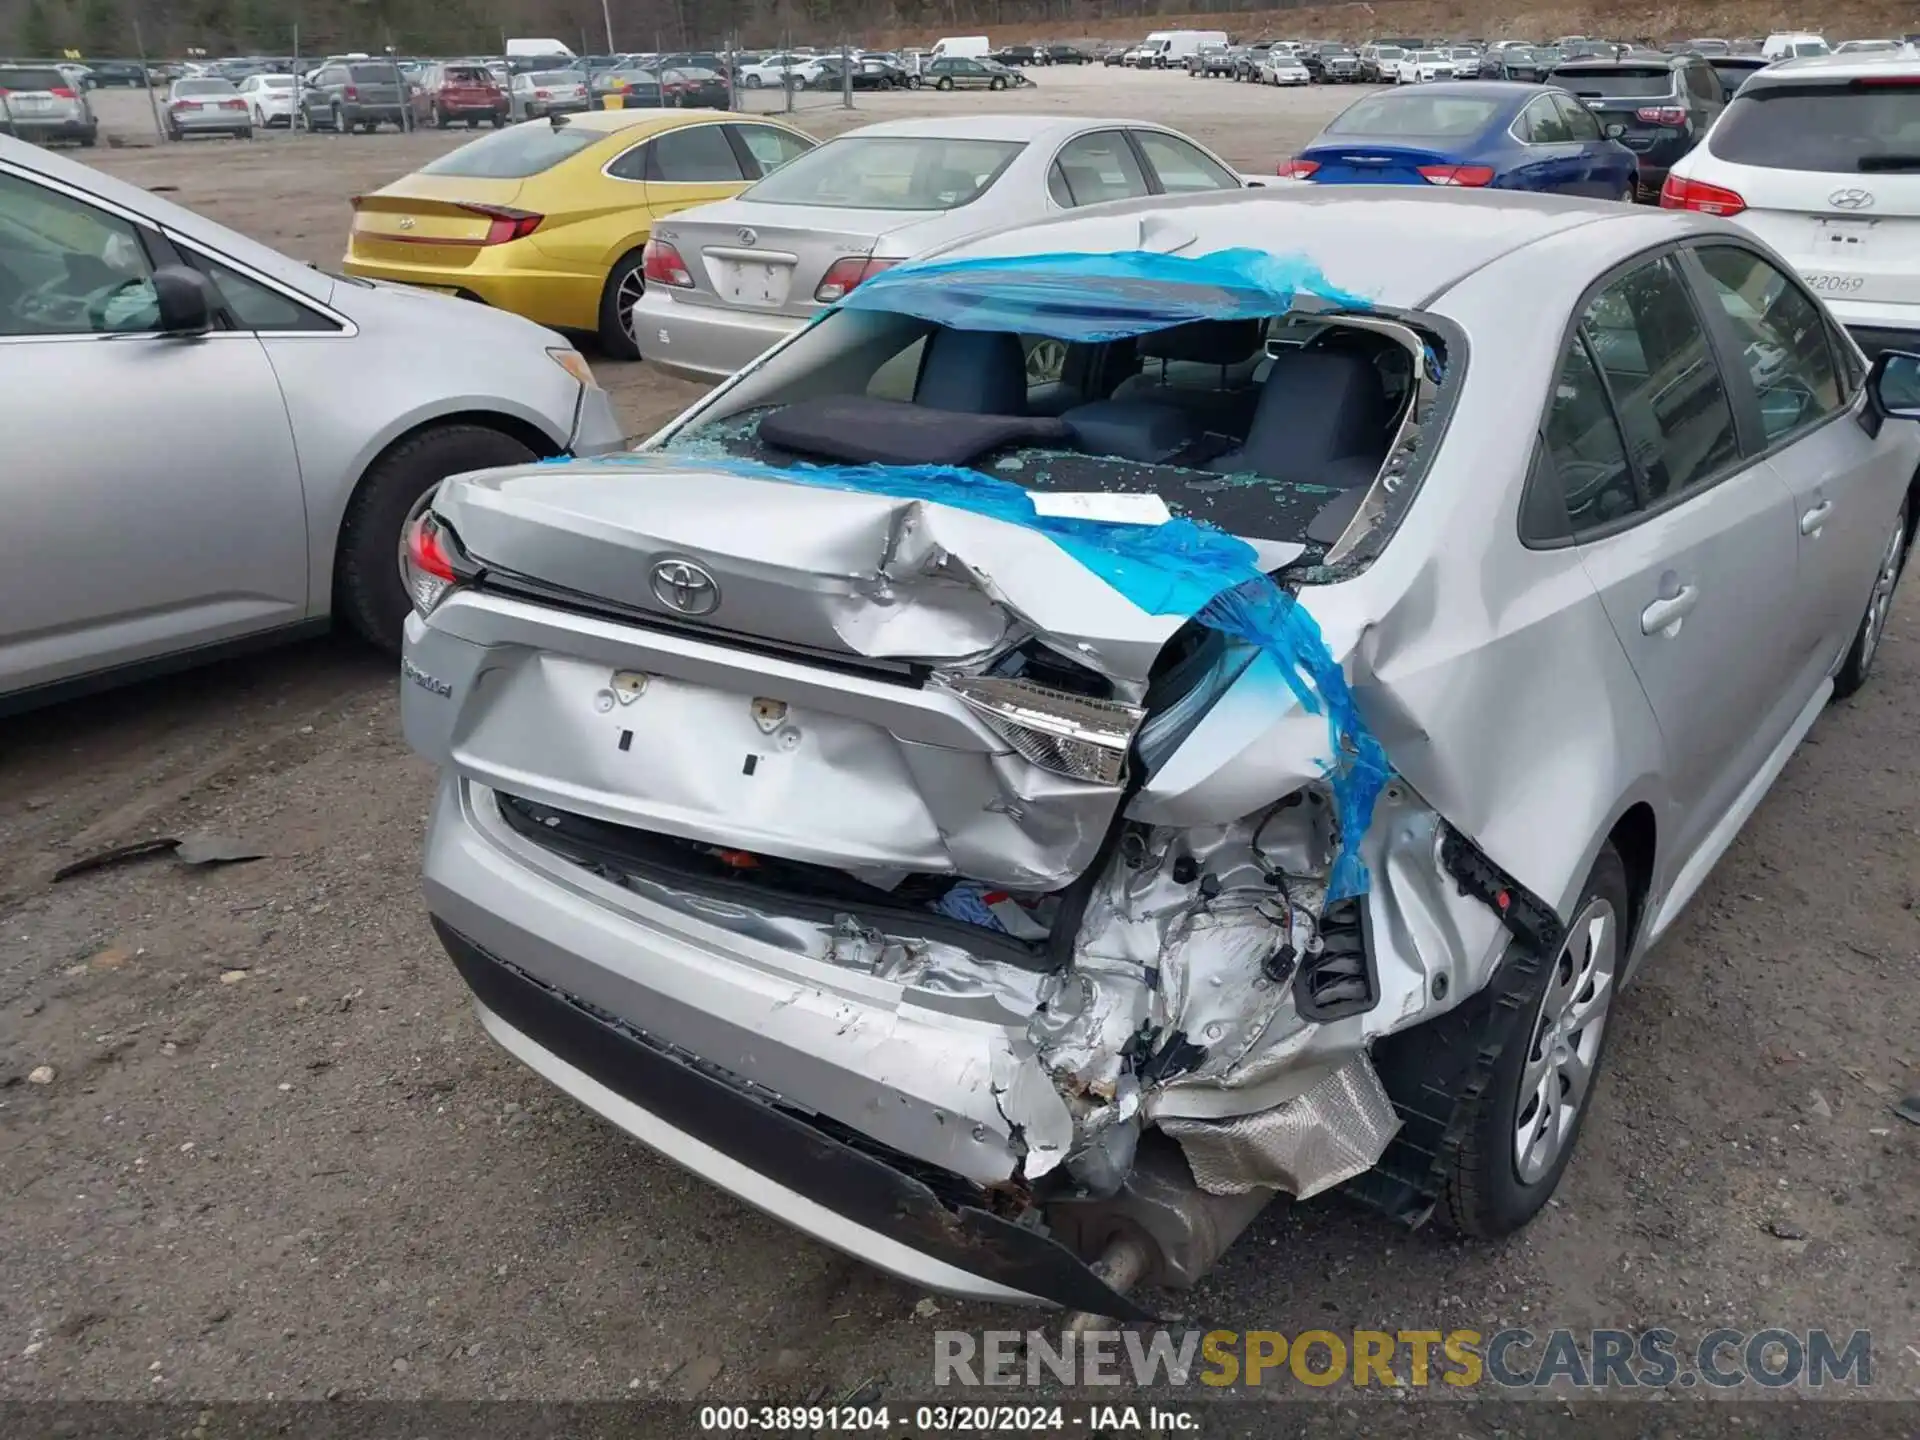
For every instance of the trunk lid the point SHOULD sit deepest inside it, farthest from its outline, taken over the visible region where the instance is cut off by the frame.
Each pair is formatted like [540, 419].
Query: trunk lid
[427, 219]
[1632, 96]
[1372, 163]
[772, 257]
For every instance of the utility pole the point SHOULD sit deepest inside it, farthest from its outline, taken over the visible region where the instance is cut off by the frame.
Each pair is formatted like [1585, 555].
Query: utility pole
[607, 15]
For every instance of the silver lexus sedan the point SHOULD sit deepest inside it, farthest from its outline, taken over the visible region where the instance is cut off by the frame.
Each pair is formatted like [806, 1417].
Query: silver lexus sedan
[209, 444]
[1010, 826]
[725, 281]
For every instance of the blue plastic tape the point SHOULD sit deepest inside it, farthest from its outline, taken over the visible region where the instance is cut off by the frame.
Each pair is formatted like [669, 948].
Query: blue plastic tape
[1091, 298]
[1180, 568]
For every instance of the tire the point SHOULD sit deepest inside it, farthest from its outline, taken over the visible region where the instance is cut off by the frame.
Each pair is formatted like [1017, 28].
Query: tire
[913, 82]
[498, 120]
[945, 83]
[436, 118]
[1497, 1180]
[339, 122]
[1857, 668]
[616, 338]
[246, 134]
[473, 122]
[89, 139]
[997, 84]
[752, 82]
[368, 592]
[259, 119]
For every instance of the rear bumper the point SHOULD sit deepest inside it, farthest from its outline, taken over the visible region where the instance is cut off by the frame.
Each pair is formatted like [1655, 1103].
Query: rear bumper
[561, 300]
[769, 1155]
[705, 342]
[49, 128]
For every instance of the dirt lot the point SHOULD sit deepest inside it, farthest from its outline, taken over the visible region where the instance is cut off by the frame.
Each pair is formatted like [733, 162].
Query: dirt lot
[278, 1158]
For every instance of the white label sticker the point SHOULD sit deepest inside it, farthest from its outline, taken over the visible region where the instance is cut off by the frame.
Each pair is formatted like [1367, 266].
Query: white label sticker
[1098, 505]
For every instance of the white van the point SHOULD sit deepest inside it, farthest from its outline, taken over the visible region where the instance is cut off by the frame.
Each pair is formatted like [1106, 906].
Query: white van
[1148, 51]
[1791, 44]
[535, 46]
[1183, 44]
[970, 47]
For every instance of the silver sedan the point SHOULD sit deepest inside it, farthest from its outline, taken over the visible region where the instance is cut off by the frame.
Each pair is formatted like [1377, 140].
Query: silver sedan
[725, 281]
[225, 443]
[1011, 825]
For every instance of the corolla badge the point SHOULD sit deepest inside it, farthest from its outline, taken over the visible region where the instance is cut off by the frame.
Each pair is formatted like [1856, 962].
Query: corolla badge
[747, 235]
[1851, 198]
[433, 684]
[685, 587]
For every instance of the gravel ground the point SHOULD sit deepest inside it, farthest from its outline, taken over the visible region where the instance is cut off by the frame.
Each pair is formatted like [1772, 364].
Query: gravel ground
[277, 1158]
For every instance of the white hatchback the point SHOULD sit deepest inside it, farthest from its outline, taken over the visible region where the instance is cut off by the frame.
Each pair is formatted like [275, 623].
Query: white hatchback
[1821, 159]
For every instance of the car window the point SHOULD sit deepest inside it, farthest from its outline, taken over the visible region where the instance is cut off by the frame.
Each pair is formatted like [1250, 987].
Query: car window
[1782, 337]
[769, 147]
[514, 153]
[1581, 126]
[1645, 82]
[1826, 126]
[890, 172]
[1544, 123]
[697, 155]
[1417, 112]
[1183, 168]
[67, 268]
[1652, 347]
[1100, 167]
[1584, 444]
[254, 306]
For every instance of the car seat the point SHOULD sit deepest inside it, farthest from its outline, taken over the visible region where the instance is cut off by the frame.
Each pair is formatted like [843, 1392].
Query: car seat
[1322, 417]
[980, 372]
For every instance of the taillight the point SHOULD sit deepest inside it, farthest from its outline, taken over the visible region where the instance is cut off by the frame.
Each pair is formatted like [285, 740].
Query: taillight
[1679, 193]
[353, 92]
[843, 275]
[429, 566]
[61, 92]
[661, 264]
[541, 95]
[1471, 175]
[1661, 114]
[1296, 168]
[506, 223]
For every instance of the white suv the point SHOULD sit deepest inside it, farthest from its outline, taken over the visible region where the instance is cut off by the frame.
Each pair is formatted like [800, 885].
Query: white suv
[1821, 159]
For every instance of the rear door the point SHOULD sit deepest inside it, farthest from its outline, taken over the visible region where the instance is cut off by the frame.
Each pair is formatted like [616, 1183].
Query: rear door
[179, 523]
[1554, 160]
[1846, 489]
[1697, 565]
[1096, 167]
[1606, 170]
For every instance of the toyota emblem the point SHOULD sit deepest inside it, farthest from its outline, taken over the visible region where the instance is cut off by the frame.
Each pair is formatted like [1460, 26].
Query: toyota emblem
[685, 587]
[1850, 199]
[749, 236]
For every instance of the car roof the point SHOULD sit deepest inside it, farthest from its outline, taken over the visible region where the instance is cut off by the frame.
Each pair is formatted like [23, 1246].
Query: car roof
[1509, 89]
[1855, 65]
[620, 122]
[1355, 234]
[1651, 60]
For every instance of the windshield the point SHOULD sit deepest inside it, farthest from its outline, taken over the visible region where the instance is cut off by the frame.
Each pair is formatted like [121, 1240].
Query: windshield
[1809, 47]
[1426, 115]
[1625, 82]
[1425, 57]
[1390, 52]
[1517, 55]
[1846, 128]
[889, 172]
[514, 153]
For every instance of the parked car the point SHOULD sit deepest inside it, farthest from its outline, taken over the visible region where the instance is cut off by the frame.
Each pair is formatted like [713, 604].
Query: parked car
[777, 70]
[1282, 67]
[130, 74]
[1380, 64]
[272, 427]
[1510, 60]
[38, 103]
[269, 100]
[1210, 60]
[590, 190]
[1111, 55]
[538, 94]
[939, 876]
[872, 198]
[693, 88]
[1417, 67]
[1063, 55]
[355, 94]
[867, 73]
[1331, 63]
[1812, 156]
[463, 91]
[957, 72]
[1017, 55]
[1793, 45]
[1247, 58]
[1733, 71]
[1664, 105]
[637, 88]
[206, 107]
[1476, 135]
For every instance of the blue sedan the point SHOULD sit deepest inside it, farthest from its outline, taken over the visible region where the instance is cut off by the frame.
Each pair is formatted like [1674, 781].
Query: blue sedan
[1483, 133]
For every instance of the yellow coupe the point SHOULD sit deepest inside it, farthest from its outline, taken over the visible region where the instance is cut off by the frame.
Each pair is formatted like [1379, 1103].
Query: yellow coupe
[548, 218]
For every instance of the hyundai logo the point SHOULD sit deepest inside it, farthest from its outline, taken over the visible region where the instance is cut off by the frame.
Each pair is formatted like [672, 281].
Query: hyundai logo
[1850, 199]
[406, 222]
[748, 235]
[685, 587]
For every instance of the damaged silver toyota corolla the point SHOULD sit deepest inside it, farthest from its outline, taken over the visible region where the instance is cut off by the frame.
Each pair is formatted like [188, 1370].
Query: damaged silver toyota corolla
[1112, 724]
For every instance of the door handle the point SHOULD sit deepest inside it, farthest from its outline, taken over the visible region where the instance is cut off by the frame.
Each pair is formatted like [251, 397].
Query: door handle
[1812, 520]
[1663, 616]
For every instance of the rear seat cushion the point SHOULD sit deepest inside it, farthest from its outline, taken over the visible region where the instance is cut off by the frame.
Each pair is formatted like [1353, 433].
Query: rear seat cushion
[864, 430]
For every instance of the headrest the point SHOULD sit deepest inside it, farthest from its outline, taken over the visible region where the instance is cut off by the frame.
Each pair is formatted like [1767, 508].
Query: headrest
[1208, 342]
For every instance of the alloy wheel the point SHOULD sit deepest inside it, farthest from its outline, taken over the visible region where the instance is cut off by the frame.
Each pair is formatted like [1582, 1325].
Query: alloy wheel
[632, 286]
[1557, 1075]
[1881, 600]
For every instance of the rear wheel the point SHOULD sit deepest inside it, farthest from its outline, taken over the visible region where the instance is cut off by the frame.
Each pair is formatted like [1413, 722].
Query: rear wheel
[1858, 666]
[753, 82]
[625, 285]
[946, 83]
[368, 591]
[339, 121]
[1521, 1131]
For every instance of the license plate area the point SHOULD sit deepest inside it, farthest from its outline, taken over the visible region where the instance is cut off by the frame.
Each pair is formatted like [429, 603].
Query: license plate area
[1841, 243]
[762, 283]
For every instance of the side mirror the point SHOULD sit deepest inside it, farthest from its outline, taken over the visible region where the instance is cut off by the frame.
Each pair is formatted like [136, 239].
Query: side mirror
[1893, 384]
[1613, 131]
[185, 299]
